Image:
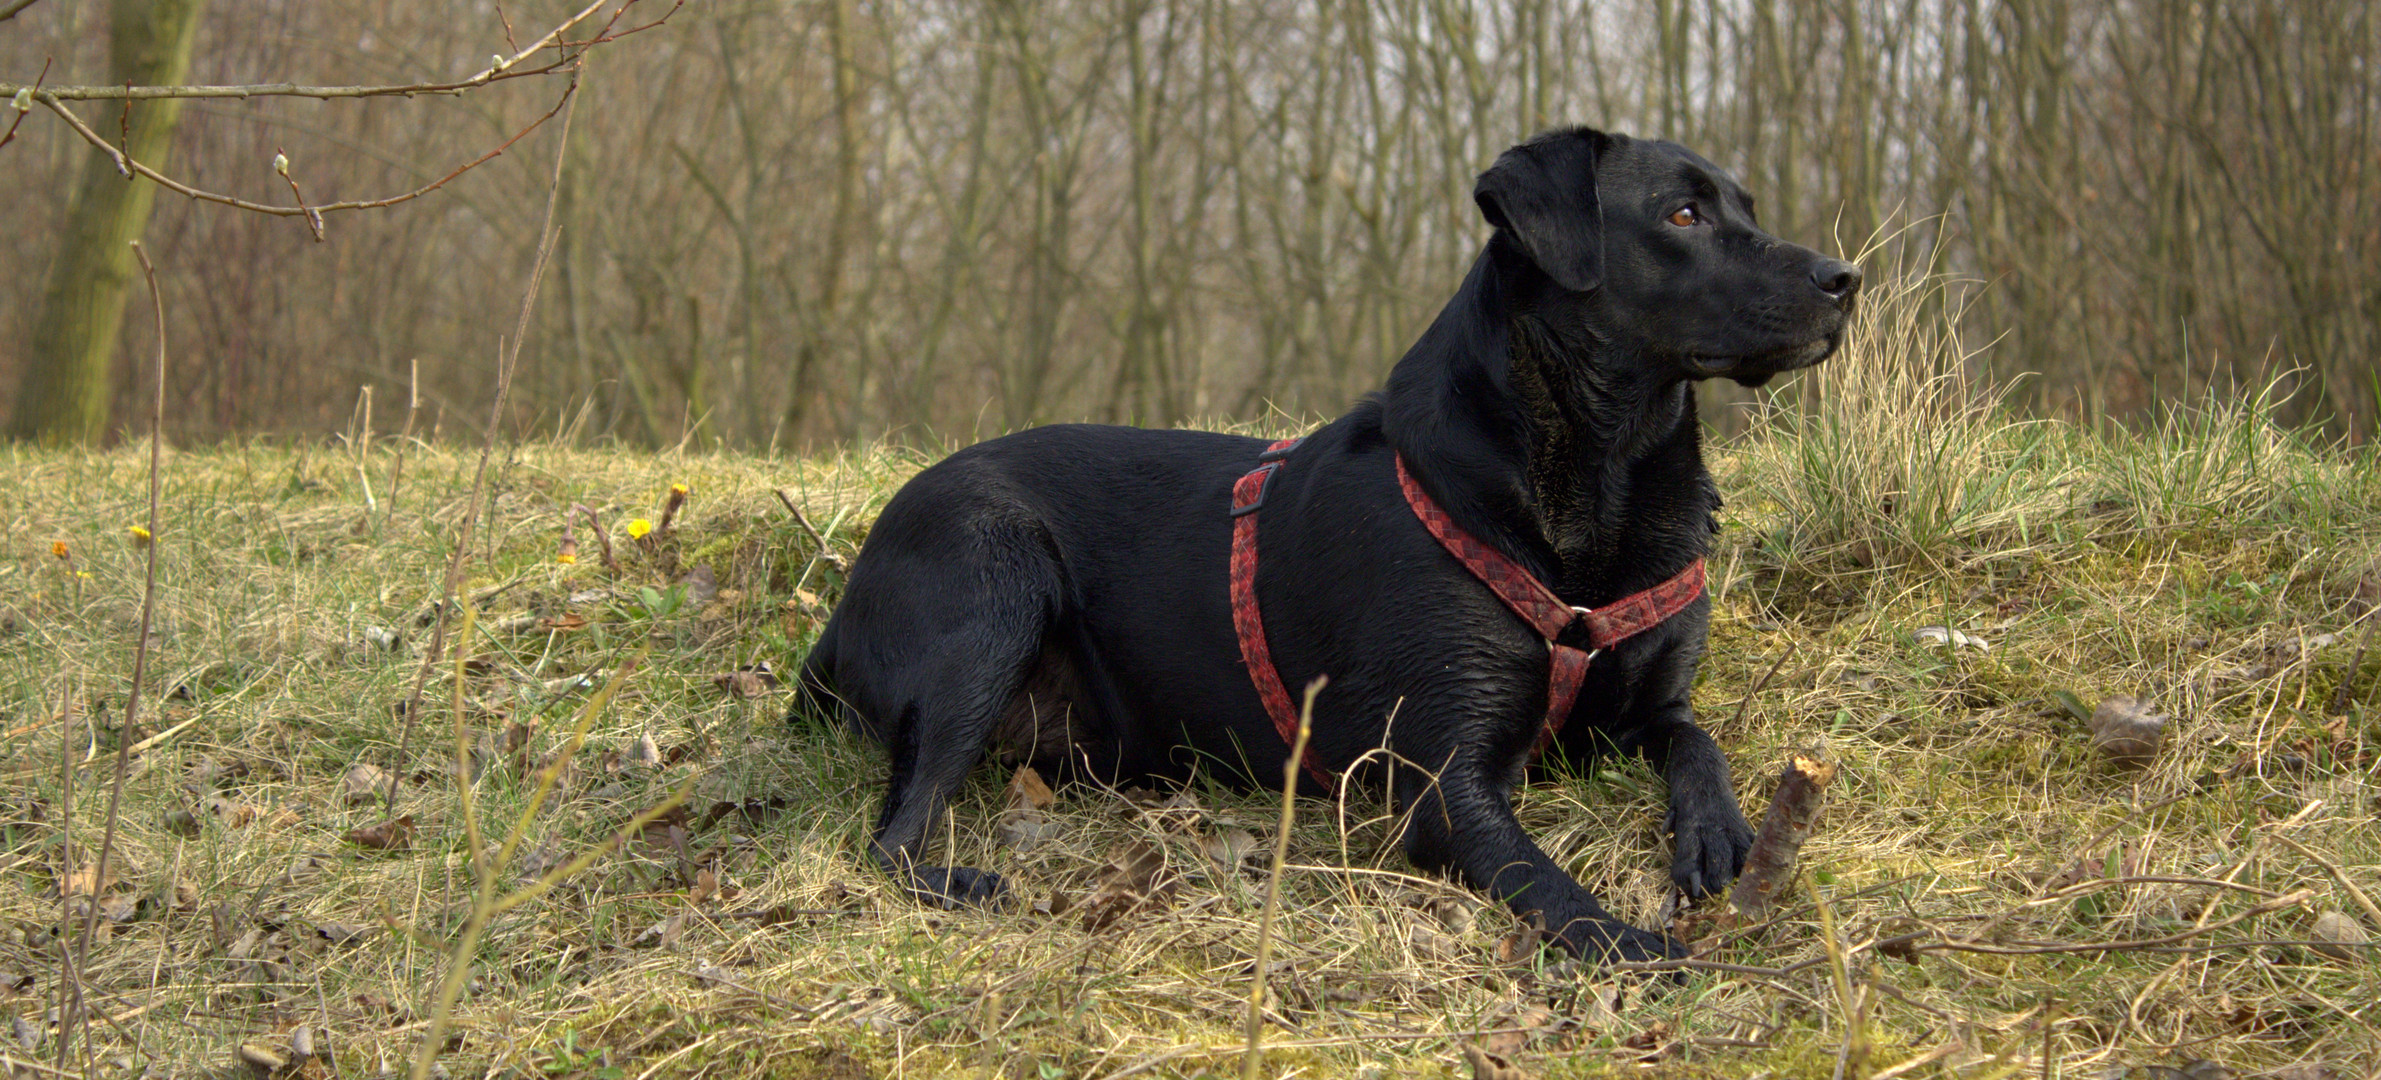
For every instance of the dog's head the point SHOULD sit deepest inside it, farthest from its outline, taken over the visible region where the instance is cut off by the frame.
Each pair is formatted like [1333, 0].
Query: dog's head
[1653, 248]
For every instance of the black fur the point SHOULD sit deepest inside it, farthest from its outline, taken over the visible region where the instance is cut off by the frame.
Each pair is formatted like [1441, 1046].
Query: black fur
[1061, 595]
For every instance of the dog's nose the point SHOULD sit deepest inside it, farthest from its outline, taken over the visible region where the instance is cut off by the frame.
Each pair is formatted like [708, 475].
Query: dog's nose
[1836, 278]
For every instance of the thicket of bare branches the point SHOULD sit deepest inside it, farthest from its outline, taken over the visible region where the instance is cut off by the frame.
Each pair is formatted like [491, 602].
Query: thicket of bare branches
[796, 220]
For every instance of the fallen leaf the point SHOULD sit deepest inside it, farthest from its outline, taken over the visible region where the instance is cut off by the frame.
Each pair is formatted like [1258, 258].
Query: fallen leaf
[1490, 1066]
[702, 586]
[363, 784]
[1026, 830]
[1129, 882]
[181, 822]
[2126, 732]
[1028, 792]
[340, 933]
[264, 1061]
[2345, 936]
[386, 836]
[750, 681]
[1523, 943]
[1944, 635]
[643, 753]
[1229, 849]
[567, 621]
[663, 934]
[84, 881]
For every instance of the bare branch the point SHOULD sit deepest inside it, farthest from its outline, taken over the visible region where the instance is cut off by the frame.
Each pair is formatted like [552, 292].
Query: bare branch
[505, 68]
[11, 134]
[128, 167]
[9, 8]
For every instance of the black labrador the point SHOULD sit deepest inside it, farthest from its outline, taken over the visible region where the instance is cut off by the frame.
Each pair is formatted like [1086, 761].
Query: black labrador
[1062, 595]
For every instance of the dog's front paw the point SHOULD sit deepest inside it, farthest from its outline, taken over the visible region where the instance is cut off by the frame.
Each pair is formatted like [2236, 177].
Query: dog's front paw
[1620, 943]
[953, 887]
[1711, 844]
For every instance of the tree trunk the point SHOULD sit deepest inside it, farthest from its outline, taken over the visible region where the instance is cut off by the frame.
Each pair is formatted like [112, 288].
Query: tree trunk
[64, 397]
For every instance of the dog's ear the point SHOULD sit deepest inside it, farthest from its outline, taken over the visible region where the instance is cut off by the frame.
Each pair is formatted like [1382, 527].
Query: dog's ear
[1544, 193]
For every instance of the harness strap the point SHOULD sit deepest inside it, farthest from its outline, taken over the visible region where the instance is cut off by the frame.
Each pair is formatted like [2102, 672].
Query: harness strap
[1520, 590]
[1247, 495]
[1545, 612]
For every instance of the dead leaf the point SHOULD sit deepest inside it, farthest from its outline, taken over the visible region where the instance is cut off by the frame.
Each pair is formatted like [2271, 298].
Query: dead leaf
[2346, 937]
[643, 753]
[1523, 943]
[232, 814]
[363, 784]
[181, 822]
[567, 621]
[663, 934]
[85, 881]
[706, 885]
[1027, 829]
[1491, 1066]
[1028, 792]
[2126, 731]
[264, 1061]
[1229, 849]
[1130, 882]
[750, 681]
[340, 933]
[1944, 635]
[702, 586]
[386, 836]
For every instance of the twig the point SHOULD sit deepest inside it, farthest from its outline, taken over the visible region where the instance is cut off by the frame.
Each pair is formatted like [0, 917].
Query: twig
[1250, 1061]
[453, 578]
[11, 134]
[413, 405]
[313, 216]
[140, 655]
[1760, 684]
[9, 8]
[69, 981]
[496, 72]
[2329, 867]
[2339, 698]
[603, 540]
[128, 166]
[801, 518]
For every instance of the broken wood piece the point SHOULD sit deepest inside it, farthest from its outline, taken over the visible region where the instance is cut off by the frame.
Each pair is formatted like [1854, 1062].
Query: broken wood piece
[1769, 866]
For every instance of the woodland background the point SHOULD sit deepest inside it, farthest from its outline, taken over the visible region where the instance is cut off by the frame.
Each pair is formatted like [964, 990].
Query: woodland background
[790, 222]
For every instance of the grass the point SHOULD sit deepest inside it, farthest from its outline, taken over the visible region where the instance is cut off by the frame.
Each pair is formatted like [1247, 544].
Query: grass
[2216, 565]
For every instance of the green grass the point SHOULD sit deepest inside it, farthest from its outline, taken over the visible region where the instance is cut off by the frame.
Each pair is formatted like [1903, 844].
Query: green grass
[2216, 565]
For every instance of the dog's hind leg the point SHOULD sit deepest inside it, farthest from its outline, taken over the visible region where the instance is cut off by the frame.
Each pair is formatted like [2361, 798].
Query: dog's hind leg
[942, 641]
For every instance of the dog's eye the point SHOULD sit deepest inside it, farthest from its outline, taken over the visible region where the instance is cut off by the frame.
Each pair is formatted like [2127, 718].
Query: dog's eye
[1684, 216]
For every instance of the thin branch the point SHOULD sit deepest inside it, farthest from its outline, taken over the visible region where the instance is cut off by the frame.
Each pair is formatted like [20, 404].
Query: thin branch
[127, 166]
[26, 107]
[498, 71]
[506, 69]
[9, 8]
[505, 362]
[140, 655]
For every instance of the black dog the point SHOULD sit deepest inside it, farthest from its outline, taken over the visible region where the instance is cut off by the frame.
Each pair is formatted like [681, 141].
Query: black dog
[1064, 595]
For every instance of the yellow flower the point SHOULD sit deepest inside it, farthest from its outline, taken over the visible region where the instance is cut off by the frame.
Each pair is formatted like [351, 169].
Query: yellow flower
[84, 574]
[680, 489]
[638, 527]
[566, 558]
[58, 548]
[139, 535]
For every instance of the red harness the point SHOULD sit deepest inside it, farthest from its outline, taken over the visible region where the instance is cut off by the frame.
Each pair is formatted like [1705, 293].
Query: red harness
[1521, 591]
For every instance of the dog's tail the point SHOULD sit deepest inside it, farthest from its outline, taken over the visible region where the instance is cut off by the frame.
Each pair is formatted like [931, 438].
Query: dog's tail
[815, 699]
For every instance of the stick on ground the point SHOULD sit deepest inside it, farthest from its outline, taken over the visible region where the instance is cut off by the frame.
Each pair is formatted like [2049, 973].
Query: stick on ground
[1792, 812]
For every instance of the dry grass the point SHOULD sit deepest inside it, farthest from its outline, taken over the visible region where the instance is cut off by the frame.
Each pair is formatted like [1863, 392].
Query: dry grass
[2215, 565]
